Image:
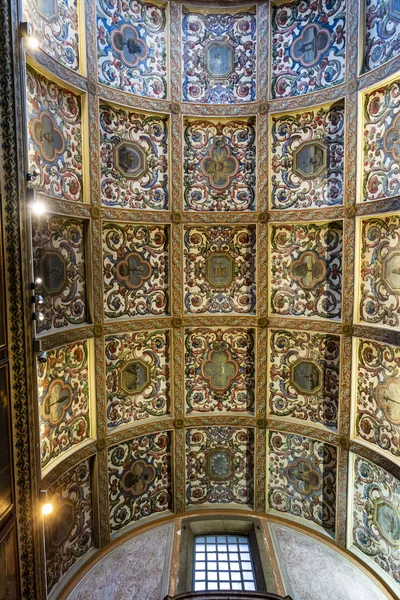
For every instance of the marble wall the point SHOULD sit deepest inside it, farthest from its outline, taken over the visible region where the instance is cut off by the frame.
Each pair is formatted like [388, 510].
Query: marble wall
[136, 570]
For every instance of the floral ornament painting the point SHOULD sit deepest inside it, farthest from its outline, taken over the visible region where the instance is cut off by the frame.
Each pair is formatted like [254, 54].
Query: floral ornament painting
[308, 47]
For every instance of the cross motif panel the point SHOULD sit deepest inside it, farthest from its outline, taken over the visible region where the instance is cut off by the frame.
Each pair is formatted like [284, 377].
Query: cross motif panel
[135, 270]
[302, 479]
[219, 165]
[63, 393]
[219, 370]
[306, 270]
[131, 47]
[308, 47]
[140, 478]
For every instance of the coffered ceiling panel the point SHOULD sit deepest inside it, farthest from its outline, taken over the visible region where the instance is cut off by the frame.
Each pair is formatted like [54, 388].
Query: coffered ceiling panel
[219, 165]
[308, 47]
[219, 269]
[220, 370]
[55, 137]
[304, 376]
[307, 155]
[137, 376]
[382, 35]
[59, 261]
[69, 533]
[377, 389]
[133, 159]
[140, 478]
[379, 276]
[135, 270]
[218, 57]
[381, 149]
[131, 47]
[306, 270]
[219, 466]
[64, 402]
[55, 24]
[375, 531]
[302, 478]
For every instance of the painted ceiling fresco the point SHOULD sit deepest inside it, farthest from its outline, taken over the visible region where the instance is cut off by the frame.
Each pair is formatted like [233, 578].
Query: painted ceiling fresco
[133, 159]
[131, 47]
[55, 137]
[218, 57]
[217, 272]
[140, 478]
[306, 270]
[376, 520]
[69, 533]
[137, 376]
[308, 47]
[55, 24]
[302, 478]
[58, 246]
[135, 270]
[219, 465]
[379, 276]
[382, 32]
[377, 417]
[219, 370]
[308, 158]
[219, 269]
[219, 165]
[63, 390]
[381, 151]
[304, 376]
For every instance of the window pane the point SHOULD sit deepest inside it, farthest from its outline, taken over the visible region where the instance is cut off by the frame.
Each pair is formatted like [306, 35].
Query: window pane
[236, 586]
[212, 555]
[222, 556]
[200, 555]
[224, 585]
[222, 562]
[199, 585]
[249, 586]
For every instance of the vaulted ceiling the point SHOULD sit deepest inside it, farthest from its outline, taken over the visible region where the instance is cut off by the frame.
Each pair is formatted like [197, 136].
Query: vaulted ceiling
[218, 264]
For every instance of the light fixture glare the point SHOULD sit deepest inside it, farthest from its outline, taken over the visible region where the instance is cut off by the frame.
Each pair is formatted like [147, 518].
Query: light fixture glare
[47, 508]
[38, 207]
